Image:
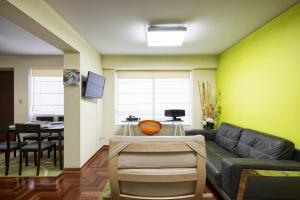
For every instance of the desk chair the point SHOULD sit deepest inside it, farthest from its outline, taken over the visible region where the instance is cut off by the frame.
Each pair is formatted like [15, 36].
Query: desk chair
[36, 147]
[8, 146]
[162, 167]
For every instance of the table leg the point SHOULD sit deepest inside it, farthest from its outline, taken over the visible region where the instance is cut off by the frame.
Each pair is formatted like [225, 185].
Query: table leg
[129, 128]
[181, 129]
[60, 150]
[125, 127]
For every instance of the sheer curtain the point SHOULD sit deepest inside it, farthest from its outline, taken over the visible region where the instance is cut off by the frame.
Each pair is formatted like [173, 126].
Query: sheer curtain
[47, 91]
[146, 94]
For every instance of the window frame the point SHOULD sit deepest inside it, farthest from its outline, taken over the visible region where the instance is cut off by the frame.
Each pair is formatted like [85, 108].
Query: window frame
[190, 103]
[33, 93]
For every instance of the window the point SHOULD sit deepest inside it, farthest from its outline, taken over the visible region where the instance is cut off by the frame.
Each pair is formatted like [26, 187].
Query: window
[146, 94]
[47, 91]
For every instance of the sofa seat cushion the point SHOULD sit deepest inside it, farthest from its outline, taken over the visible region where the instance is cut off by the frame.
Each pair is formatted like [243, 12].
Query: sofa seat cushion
[215, 154]
[228, 136]
[254, 144]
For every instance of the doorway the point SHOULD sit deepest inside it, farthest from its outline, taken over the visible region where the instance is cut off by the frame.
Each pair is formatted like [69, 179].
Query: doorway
[7, 97]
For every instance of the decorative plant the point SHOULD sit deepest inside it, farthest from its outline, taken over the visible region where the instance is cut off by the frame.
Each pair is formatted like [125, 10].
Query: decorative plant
[210, 108]
[217, 109]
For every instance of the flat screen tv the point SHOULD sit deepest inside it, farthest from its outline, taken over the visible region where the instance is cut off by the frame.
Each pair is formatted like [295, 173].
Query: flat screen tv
[94, 85]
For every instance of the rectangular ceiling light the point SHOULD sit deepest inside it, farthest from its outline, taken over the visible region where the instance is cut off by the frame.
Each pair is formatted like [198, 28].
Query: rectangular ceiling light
[166, 35]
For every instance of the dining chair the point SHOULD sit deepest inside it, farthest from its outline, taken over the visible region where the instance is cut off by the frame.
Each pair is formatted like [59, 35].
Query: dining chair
[9, 145]
[54, 136]
[36, 147]
[44, 136]
[61, 118]
[45, 118]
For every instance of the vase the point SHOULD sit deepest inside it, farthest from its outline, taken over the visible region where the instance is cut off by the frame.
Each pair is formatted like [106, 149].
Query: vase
[209, 126]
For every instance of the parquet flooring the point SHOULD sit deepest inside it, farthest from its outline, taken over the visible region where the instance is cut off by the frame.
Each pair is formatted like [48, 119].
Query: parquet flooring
[70, 185]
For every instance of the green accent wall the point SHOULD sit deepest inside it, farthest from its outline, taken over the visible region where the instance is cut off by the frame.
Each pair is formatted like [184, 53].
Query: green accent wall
[259, 78]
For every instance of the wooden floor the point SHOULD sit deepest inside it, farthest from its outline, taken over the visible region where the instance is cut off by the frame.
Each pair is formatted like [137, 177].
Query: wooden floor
[71, 185]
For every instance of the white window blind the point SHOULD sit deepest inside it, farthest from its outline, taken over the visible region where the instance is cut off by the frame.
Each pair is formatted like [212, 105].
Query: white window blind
[146, 94]
[47, 91]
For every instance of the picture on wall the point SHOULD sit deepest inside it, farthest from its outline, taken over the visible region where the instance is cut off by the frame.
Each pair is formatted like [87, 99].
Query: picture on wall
[71, 77]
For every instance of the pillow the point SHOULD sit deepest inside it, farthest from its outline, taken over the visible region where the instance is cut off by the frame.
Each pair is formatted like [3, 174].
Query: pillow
[228, 136]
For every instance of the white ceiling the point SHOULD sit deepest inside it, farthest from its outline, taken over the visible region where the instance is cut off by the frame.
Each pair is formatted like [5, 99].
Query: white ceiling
[118, 26]
[17, 41]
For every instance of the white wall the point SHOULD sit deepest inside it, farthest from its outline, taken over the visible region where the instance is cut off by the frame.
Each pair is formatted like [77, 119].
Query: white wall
[21, 66]
[205, 76]
[86, 58]
[186, 62]
[83, 117]
[202, 68]
[72, 95]
[109, 127]
[91, 129]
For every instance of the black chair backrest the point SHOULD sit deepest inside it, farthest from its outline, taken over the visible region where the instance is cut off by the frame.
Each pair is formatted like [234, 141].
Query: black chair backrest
[9, 136]
[29, 128]
[45, 118]
[61, 118]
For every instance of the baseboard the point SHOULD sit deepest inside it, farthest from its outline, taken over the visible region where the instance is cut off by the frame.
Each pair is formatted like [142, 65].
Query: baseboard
[88, 162]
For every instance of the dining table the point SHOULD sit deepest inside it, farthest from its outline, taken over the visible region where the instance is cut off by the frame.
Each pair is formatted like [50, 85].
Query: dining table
[48, 127]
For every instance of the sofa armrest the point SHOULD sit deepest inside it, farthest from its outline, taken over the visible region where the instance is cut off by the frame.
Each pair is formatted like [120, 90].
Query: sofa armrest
[209, 135]
[232, 169]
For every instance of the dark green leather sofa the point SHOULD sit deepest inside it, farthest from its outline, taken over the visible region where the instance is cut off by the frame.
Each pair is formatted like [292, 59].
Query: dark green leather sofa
[232, 149]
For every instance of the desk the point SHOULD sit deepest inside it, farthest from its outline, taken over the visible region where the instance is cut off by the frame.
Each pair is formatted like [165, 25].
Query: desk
[50, 128]
[178, 125]
[128, 126]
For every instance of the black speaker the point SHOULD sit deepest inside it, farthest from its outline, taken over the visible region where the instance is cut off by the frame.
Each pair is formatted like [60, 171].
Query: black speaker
[175, 113]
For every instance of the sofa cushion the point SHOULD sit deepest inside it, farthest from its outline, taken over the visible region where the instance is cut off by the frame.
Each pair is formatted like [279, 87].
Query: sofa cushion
[228, 136]
[215, 154]
[215, 148]
[254, 144]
